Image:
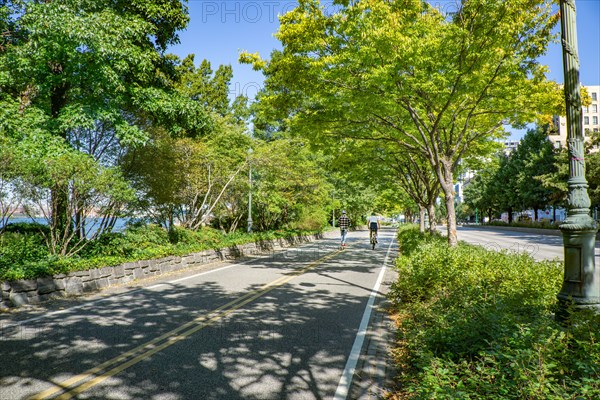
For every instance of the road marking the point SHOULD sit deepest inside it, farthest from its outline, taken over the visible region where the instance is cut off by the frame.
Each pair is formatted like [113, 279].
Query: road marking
[344, 385]
[94, 376]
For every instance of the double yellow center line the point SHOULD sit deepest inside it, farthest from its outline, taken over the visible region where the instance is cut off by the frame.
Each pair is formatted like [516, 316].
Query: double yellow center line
[94, 376]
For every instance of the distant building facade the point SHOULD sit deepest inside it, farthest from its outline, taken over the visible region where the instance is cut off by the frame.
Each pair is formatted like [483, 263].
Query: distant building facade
[591, 120]
[510, 146]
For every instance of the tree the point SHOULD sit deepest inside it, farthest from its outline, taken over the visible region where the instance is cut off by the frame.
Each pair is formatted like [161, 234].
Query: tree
[592, 161]
[183, 179]
[417, 179]
[95, 194]
[290, 188]
[534, 158]
[505, 186]
[479, 192]
[438, 85]
[409, 174]
[556, 181]
[93, 67]
[11, 170]
[209, 88]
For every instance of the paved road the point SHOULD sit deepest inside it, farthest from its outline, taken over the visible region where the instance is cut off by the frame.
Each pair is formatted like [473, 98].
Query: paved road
[279, 326]
[540, 246]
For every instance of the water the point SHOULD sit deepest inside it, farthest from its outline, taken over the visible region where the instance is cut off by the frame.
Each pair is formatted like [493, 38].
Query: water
[119, 225]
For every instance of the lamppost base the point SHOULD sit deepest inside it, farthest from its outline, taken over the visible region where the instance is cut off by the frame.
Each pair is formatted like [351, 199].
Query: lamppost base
[581, 284]
[566, 307]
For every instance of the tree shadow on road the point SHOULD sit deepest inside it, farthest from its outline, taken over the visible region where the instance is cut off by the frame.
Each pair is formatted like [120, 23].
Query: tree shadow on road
[292, 342]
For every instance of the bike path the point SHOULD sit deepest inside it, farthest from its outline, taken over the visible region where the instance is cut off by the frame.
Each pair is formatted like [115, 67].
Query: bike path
[277, 326]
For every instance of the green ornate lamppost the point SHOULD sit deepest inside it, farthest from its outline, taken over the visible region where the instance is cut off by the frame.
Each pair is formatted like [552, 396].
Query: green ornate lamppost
[581, 285]
[249, 191]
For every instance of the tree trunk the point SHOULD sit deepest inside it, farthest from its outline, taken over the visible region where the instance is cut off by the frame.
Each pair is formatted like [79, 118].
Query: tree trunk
[535, 214]
[431, 213]
[59, 193]
[421, 219]
[61, 221]
[444, 172]
[490, 211]
[510, 217]
[452, 236]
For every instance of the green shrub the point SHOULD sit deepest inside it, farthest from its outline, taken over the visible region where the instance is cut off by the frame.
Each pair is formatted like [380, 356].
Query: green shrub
[24, 255]
[409, 239]
[478, 324]
[133, 241]
[21, 253]
[26, 228]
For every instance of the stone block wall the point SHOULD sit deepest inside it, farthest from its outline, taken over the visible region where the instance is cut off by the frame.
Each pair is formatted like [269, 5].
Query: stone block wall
[35, 291]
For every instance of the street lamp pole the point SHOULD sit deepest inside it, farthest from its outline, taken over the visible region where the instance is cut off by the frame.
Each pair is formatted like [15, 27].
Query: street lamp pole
[581, 284]
[333, 210]
[249, 192]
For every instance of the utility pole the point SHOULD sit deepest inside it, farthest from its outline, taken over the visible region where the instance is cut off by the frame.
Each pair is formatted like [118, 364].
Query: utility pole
[249, 191]
[333, 210]
[581, 284]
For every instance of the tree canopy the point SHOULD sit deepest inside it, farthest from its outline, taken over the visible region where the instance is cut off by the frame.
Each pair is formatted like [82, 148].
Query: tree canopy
[434, 84]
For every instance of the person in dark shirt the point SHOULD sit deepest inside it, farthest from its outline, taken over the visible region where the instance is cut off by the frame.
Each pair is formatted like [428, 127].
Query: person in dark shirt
[344, 224]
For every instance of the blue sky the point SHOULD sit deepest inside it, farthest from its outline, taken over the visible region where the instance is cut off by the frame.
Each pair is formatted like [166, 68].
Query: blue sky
[220, 29]
[588, 37]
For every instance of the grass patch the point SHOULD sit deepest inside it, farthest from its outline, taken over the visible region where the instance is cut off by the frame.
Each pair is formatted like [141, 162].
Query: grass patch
[477, 324]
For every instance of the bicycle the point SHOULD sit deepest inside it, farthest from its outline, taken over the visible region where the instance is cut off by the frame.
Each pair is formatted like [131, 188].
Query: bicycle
[373, 239]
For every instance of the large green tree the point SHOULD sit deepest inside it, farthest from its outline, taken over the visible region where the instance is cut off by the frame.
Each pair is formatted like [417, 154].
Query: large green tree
[189, 178]
[441, 85]
[534, 158]
[480, 193]
[290, 186]
[96, 67]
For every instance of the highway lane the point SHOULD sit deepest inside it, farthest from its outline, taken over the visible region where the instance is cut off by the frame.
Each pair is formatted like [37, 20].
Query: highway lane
[280, 326]
[539, 246]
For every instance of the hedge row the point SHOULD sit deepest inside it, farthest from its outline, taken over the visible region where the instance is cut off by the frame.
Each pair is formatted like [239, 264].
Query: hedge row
[24, 254]
[477, 324]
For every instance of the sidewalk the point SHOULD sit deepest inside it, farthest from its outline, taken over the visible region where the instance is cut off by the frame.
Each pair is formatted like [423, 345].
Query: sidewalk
[375, 369]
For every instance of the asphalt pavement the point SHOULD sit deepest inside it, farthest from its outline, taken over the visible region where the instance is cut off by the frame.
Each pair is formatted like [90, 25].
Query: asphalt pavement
[304, 323]
[539, 243]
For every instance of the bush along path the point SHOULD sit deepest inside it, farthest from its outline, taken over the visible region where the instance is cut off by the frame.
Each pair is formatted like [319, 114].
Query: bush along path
[476, 324]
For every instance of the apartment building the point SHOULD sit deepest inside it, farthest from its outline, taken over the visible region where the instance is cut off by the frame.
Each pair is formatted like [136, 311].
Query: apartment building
[510, 146]
[591, 119]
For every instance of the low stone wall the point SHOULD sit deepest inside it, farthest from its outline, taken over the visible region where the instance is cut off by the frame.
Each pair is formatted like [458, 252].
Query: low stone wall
[35, 291]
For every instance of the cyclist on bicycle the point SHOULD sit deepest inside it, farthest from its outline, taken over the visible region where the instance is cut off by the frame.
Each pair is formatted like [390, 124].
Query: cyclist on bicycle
[373, 224]
[344, 224]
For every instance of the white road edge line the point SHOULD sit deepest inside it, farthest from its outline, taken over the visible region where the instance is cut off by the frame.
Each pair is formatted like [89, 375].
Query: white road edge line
[346, 380]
